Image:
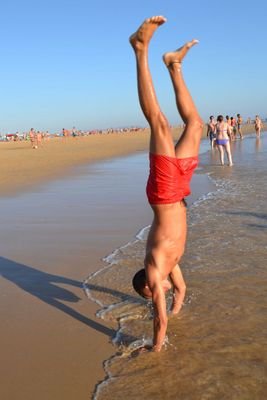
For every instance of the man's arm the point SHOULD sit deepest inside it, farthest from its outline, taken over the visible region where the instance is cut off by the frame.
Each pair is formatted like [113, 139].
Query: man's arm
[179, 289]
[160, 319]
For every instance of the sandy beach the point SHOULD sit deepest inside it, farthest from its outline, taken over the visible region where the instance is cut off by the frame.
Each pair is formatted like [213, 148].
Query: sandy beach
[21, 167]
[53, 345]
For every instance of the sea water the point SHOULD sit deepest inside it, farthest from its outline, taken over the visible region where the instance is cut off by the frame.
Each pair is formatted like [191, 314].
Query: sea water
[216, 348]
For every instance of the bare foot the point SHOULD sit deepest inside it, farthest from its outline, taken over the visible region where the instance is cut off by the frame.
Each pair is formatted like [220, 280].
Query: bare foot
[144, 33]
[178, 55]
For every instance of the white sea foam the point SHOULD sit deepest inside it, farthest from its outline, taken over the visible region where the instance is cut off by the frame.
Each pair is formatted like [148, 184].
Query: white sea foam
[141, 235]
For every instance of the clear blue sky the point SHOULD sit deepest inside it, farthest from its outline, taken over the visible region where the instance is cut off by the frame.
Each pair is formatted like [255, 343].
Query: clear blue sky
[68, 63]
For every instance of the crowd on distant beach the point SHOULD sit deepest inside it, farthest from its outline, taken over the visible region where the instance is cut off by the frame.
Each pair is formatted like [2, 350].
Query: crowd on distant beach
[76, 132]
[223, 131]
[36, 138]
[234, 129]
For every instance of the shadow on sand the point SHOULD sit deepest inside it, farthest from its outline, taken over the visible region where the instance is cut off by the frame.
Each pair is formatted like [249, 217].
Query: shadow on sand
[46, 288]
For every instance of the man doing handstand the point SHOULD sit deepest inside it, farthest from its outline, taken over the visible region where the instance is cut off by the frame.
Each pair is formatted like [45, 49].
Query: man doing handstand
[171, 169]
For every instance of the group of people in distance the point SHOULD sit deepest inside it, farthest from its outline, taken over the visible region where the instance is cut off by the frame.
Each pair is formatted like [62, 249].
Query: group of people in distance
[221, 133]
[35, 138]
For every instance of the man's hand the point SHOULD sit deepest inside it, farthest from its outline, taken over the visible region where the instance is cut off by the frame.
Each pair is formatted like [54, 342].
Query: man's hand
[160, 319]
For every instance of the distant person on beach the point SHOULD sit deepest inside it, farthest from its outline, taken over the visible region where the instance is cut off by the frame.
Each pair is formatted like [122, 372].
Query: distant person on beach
[39, 138]
[222, 139]
[65, 133]
[171, 169]
[239, 122]
[228, 121]
[233, 125]
[33, 139]
[258, 126]
[211, 131]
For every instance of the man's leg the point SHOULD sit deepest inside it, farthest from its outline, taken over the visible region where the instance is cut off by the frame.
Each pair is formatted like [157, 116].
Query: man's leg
[161, 141]
[188, 144]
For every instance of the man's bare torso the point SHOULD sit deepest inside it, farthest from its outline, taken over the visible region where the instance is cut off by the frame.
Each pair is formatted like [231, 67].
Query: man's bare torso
[167, 236]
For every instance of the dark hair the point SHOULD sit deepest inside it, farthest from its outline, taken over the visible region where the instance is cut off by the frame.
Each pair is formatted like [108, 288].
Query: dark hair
[211, 117]
[139, 281]
[220, 118]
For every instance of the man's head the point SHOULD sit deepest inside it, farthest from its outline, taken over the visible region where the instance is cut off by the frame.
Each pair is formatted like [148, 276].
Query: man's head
[140, 284]
[220, 118]
[141, 287]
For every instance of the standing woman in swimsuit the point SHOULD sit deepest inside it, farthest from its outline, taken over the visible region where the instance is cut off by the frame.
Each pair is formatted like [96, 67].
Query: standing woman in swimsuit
[223, 132]
[171, 169]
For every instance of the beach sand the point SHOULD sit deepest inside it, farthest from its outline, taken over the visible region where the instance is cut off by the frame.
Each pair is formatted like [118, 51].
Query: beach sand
[22, 167]
[52, 344]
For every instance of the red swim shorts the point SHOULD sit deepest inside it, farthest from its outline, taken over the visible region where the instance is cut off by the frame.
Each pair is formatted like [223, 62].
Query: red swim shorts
[169, 178]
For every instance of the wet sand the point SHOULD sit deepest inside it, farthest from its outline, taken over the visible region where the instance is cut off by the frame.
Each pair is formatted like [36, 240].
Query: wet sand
[51, 239]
